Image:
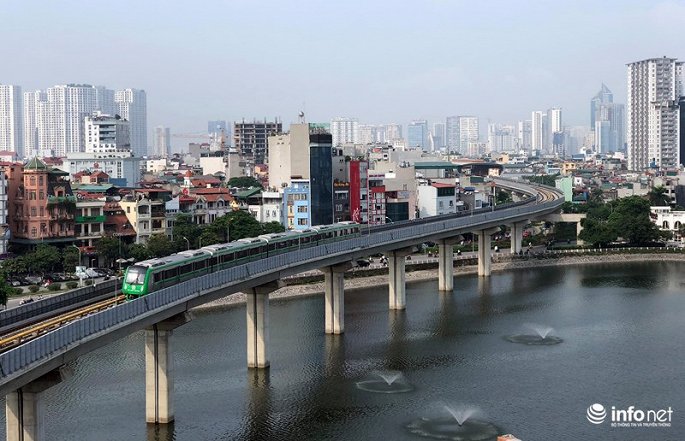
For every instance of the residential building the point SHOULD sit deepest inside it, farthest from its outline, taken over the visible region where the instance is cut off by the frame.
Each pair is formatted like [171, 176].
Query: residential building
[11, 119]
[89, 223]
[5, 232]
[417, 134]
[604, 110]
[438, 136]
[123, 168]
[106, 133]
[524, 140]
[501, 138]
[162, 142]
[436, 198]
[131, 105]
[468, 131]
[35, 127]
[296, 205]
[250, 138]
[653, 122]
[537, 131]
[376, 204]
[145, 211]
[104, 98]
[393, 132]
[67, 107]
[359, 191]
[321, 177]
[344, 131]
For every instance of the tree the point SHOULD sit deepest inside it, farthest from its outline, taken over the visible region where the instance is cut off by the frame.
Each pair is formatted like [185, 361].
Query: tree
[658, 198]
[159, 245]
[503, 197]
[597, 232]
[45, 258]
[185, 227]
[5, 291]
[108, 247]
[238, 224]
[272, 227]
[70, 257]
[630, 219]
[244, 182]
[549, 180]
[210, 237]
[139, 252]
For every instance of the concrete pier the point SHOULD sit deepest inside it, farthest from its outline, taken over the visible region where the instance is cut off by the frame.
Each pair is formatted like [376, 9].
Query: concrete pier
[397, 288]
[257, 314]
[334, 294]
[446, 264]
[484, 252]
[23, 411]
[159, 370]
[516, 236]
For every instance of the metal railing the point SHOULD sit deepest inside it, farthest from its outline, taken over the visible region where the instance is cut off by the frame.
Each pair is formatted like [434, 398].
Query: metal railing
[56, 342]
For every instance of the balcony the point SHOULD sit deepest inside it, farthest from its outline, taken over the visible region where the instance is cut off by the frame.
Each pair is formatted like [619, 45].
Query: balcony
[89, 219]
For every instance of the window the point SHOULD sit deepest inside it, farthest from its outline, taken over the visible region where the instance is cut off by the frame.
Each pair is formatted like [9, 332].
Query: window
[40, 180]
[33, 211]
[302, 221]
[33, 181]
[41, 195]
[302, 209]
[34, 232]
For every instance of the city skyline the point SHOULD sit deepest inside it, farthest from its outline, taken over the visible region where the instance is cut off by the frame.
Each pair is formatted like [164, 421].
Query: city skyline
[164, 60]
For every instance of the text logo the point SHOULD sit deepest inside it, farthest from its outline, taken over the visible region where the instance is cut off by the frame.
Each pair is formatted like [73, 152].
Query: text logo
[596, 413]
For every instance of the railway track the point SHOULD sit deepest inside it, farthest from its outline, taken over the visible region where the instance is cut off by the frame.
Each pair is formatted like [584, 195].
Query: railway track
[16, 338]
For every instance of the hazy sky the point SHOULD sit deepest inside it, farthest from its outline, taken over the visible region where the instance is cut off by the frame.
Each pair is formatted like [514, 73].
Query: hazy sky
[381, 61]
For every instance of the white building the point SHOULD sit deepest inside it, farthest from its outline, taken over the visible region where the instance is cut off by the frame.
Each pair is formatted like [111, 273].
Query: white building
[669, 220]
[106, 133]
[537, 131]
[524, 139]
[11, 115]
[654, 87]
[270, 210]
[555, 120]
[35, 126]
[393, 133]
[67, 107]
[162, 142]
[436, 198]
[452, 133]
[4, 227]
[345, 131]
[501, 138]
[468, 131]
[122, 167]
[132, 106]
[156, 165]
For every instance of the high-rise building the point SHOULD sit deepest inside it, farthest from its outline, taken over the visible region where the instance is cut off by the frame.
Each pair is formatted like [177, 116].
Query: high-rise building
[438, 134]
[215, 127]
[417, 134]
[162, 142]
[250, 138]
[603, 108]
[105, 101]
[393, 132]
[537, 130]
[67, 107]
[452, 133]
[11, 119]
[501, 138]
[654, 89]
[345, 131]
[132, 105]
[468, 131]
[106, 133]
[524, 141]
[555, 133]
[367, 134]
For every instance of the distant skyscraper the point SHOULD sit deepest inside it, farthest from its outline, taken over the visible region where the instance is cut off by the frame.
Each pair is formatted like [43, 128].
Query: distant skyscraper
[452, 133]
[67, 107]
[603, 109]
[366, 134]
[11, 119]
[604, 96]
[392, 132]
[132, 105]
[438, 135]
[162, 142]
[345, 131]
[250, 138]
[654, 88]
[468, 131]
[105, 101]
[524, 140]
[35, 104]
[537, 130]
[501, 138]
[417, 134]
[216, 127]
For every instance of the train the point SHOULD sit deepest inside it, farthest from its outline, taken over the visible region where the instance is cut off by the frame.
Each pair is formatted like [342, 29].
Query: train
[151, 275]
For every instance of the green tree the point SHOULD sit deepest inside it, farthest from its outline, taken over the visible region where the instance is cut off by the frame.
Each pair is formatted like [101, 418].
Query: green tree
[238, 224]
[244, 182]
[210, 236]
[5, 291]
[70, 257]
[18, 265]
[185, 227]
[139, 252]
[597, 232]
[108, 247]
[658, 198]
[542, 179]
[159, 245]
[630, 219]
[503, 197]
[45, 258]
[272, 227]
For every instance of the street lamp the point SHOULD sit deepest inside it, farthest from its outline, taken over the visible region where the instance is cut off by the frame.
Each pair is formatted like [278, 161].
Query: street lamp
[187, 241]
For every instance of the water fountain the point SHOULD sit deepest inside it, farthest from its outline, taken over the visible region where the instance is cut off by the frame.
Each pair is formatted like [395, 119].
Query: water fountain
[386, 382]
[541, 337]
[462, 423]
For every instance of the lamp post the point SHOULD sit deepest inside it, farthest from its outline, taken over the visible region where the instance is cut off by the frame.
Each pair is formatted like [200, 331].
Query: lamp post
[187, 241]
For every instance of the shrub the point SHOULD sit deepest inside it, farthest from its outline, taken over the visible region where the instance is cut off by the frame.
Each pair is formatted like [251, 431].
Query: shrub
[17, 291]
[54, 287]
[72, 285]
[34, 288]
[88, 282]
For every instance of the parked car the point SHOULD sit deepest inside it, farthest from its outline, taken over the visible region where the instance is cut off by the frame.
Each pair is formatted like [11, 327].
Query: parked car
[15, 281]
[34, 280]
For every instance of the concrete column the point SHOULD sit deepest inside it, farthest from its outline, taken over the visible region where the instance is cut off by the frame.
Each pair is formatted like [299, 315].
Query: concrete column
[397, 288]
[516, 236]
[334, 294]
[579, 228]
[484, 252]
[446, 264]
[159, 372]
[257, 310]
[23, 411]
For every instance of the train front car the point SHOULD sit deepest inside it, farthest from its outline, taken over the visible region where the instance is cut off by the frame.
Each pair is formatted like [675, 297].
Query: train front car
[135, 282]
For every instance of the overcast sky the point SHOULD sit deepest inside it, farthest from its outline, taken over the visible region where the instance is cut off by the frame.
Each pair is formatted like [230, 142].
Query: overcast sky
[380, 61]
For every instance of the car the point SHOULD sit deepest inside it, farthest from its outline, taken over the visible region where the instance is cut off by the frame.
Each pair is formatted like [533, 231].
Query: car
[34, 280]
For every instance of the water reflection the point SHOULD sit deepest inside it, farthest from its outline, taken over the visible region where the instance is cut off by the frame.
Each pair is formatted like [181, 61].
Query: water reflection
[161, 432]
[398, 347]
[259, 410]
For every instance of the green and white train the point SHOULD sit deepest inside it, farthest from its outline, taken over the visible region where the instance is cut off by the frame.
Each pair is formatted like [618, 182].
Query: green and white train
[151, 275]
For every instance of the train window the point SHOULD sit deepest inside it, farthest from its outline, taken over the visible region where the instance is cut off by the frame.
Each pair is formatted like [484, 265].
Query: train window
[240, 254]
[226, 258]
[136, 275]
[254, 251]
[272, 246]
[157, 277]
[198, 265]
[171, 273]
